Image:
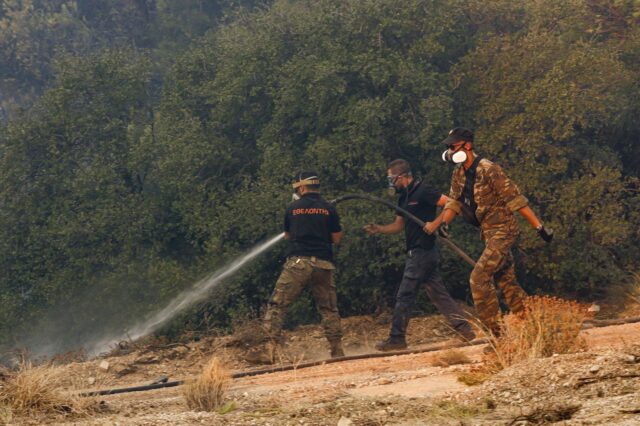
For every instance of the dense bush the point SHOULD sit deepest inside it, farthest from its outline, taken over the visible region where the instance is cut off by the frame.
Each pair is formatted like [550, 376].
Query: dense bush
[121, 185]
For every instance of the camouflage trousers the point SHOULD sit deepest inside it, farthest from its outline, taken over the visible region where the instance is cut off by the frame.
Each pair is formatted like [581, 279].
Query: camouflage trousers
[496, 263]
[297, 273]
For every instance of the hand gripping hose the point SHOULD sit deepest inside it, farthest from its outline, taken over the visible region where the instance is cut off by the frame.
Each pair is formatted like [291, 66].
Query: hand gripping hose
[405, 213]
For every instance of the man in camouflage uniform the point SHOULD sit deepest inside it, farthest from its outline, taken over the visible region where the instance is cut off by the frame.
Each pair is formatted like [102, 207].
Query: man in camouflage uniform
[486, 197]
[311, 226]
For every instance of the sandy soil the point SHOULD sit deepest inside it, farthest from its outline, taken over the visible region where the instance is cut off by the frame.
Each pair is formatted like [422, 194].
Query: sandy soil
[596, 386]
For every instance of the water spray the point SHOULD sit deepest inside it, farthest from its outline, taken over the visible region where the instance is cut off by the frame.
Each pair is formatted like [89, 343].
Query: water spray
[186, 299]
[202, 288]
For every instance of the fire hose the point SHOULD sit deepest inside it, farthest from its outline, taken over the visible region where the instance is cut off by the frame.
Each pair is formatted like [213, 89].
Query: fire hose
[164, 383]
[408, 215]
[289, 367]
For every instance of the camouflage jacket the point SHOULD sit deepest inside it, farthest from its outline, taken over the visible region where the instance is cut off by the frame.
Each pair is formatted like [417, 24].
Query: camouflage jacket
[496, 195]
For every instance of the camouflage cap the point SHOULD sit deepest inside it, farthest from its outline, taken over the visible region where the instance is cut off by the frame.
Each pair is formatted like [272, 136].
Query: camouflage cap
[458, 134]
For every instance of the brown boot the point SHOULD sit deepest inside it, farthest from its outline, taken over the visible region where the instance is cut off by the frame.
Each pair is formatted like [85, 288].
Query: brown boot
[465, 335]
[263, 354]
[336, 349]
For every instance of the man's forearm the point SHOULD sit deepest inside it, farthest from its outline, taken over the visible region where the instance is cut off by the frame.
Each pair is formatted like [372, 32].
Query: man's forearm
[531, 217]
[336, 237]
[447, 216]
[431, 227]
[391, 228]
[438, 220]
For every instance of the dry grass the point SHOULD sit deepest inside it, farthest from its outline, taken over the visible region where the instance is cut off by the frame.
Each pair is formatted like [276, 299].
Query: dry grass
[547, 326]
[33, 391]
[445, 411]
[475, 376]
[633, 294]
[450, 357]
[622, 299]
[547, 415]
[207, 392]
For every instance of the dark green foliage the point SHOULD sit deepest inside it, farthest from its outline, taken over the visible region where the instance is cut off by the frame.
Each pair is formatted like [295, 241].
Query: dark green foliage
[549, 102]
[35, 32]
[167, 134]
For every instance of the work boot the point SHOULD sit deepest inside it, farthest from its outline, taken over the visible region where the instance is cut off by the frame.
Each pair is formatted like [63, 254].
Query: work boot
[391, 344]
[336, 349]
[466, 336]
[264, 354]
[488, 350]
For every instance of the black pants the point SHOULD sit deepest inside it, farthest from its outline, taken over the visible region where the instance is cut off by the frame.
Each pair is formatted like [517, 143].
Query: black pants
[423, 266]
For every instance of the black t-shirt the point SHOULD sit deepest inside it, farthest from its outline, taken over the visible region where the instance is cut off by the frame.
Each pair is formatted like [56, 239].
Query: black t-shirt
[310, 221]
[421, 201]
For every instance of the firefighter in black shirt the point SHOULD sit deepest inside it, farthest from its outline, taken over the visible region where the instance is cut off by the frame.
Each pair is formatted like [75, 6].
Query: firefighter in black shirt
[311, 226]
[422, 265]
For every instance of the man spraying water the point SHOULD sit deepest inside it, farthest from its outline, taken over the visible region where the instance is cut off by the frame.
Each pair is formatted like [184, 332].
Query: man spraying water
[311, 226]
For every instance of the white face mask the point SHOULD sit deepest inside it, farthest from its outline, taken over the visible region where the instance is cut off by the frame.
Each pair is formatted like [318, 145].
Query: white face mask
[295, 197]
[455, 157]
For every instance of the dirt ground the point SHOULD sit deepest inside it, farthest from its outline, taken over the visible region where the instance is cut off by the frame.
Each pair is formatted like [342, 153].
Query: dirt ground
[598, 386]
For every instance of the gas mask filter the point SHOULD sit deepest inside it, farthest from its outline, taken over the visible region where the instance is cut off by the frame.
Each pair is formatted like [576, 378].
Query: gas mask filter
[392, 189]
[456, 157]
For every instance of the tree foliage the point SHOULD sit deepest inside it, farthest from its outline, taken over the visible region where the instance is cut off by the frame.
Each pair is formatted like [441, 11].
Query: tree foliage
[158, 140]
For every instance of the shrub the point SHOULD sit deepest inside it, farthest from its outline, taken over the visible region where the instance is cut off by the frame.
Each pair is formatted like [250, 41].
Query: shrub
[547, 326]
[634, 292]
[39, 390]
[207, 392]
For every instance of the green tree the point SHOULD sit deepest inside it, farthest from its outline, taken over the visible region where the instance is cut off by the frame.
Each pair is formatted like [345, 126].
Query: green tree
[552, 119]
[31, 33]
[339, 87]
[73, 185]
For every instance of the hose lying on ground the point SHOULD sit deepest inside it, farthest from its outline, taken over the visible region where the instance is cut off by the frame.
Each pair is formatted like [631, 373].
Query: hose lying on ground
[405, 213]
[289, 367]
[433, 348]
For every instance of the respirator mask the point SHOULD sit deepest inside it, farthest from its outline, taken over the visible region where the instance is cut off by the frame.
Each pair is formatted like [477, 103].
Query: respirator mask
[392, 189]
[454, 157]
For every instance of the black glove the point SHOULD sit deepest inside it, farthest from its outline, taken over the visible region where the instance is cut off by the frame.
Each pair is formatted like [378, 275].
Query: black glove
[443, 230]
[545, 234]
